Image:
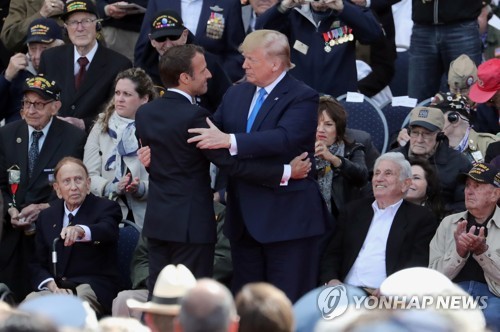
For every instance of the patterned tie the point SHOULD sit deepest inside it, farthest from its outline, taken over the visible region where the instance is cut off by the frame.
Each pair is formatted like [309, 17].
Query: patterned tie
[70, 219]
[255, 110]
[83, 62]
[33, 151]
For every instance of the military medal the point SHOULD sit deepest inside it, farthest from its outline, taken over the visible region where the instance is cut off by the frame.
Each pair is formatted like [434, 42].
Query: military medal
[215, 24]
[329, 42]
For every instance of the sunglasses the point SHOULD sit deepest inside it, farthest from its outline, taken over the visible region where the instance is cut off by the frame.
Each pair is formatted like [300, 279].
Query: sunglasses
[164, 38]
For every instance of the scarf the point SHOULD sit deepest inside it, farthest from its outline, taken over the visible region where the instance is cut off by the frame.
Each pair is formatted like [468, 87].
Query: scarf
[122, 132]
[326, 172]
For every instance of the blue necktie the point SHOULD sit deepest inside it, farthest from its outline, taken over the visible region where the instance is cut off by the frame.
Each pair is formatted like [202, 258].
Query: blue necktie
[255, 110]
[33, 151]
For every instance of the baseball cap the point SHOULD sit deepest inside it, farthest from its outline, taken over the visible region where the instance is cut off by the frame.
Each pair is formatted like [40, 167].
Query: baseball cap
[167, 23]
[43, 30]
[43, 87]
[430, 118]
[483, 173]
[462, 73]
[75, 6]
[452, 102]
[488, 82]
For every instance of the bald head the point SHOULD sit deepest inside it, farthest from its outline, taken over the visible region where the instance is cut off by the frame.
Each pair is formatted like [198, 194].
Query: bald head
[208, 307]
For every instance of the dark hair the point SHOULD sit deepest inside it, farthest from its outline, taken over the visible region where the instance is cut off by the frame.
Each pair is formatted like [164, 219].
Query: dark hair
[336, 112]
[144, 86]
[433, 199]
[69, 160]
[177, 60]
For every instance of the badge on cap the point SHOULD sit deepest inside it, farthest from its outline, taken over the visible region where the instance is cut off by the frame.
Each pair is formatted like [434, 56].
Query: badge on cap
[423, 113]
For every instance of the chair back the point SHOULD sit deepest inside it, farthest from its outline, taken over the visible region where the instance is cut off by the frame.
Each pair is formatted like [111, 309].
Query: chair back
[368, 117]
[129, 234]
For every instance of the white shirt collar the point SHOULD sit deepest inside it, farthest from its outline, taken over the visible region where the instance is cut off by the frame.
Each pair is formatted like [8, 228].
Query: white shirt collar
[273, 84]
[45, 129]
[185, 94]
[89, 55]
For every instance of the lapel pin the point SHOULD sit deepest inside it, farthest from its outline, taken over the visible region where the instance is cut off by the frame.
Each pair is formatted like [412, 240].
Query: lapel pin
[216, 8]
[18, 140]
[276, 98]
[54, 226]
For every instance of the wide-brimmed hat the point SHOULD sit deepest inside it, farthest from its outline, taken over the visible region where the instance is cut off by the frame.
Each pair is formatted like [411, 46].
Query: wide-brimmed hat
[172, 284]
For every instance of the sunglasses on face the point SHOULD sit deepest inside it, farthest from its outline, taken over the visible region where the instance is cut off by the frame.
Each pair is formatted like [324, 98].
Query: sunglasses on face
[164, 38]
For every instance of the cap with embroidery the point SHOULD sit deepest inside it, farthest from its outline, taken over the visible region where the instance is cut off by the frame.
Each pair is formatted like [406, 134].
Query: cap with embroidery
[451, 102]
[74, 6]
[43, 30]
[483, 173]
[430, 118]
[167, 23]
[488, 82]
[462, 73]
[43, 87]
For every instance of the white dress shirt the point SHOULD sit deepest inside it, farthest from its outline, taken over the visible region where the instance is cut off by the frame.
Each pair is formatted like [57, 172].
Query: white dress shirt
[369, 268]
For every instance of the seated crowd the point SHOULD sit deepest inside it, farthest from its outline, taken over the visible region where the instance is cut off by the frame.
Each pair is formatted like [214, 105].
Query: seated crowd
[258, 208]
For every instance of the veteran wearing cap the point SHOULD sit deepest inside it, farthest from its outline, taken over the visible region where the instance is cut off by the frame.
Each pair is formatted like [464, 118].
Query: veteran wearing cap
[457, 127]
[462, 74]
[173, 282]
[466, 245]
[167, 30]
[43, 33]
[29, 151]
[485, 92]
[85, 70]
[427, 141]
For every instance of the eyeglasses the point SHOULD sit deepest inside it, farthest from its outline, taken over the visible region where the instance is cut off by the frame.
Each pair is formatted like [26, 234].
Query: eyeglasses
[85, 23]
[425, 135]
[164, 38]
[38, 105]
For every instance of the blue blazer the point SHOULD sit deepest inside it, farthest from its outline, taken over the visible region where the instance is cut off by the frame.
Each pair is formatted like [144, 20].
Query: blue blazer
[94, 262]
[284, 128]
[226, 47]
[180, 201]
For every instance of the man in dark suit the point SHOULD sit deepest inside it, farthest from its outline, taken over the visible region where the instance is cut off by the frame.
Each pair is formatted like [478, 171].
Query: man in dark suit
[85, 70]
[167, 30]
[26, 192]
[274, 233]
[86, 229]
[215, 24]
[374, 239]
[180, 220]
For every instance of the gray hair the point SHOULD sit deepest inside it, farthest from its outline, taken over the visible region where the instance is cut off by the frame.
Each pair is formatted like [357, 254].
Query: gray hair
[399, 159]
[208, 307]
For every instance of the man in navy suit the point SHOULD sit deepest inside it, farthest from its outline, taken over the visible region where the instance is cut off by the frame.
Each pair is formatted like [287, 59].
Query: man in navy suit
[216, 25]
[180, 220]
[275, 233]
[85, 70]
[374, 239]
[88, 229]
[26, 192]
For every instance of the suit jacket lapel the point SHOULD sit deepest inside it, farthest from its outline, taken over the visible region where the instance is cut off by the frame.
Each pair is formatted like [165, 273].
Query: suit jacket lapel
[202, 21]
[278, 92]
[242, 112]
[49, 148]
[21, 141]
[396, 237]
[361, 225]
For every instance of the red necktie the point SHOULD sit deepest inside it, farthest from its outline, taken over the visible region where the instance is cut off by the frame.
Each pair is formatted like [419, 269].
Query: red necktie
[83, 62]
